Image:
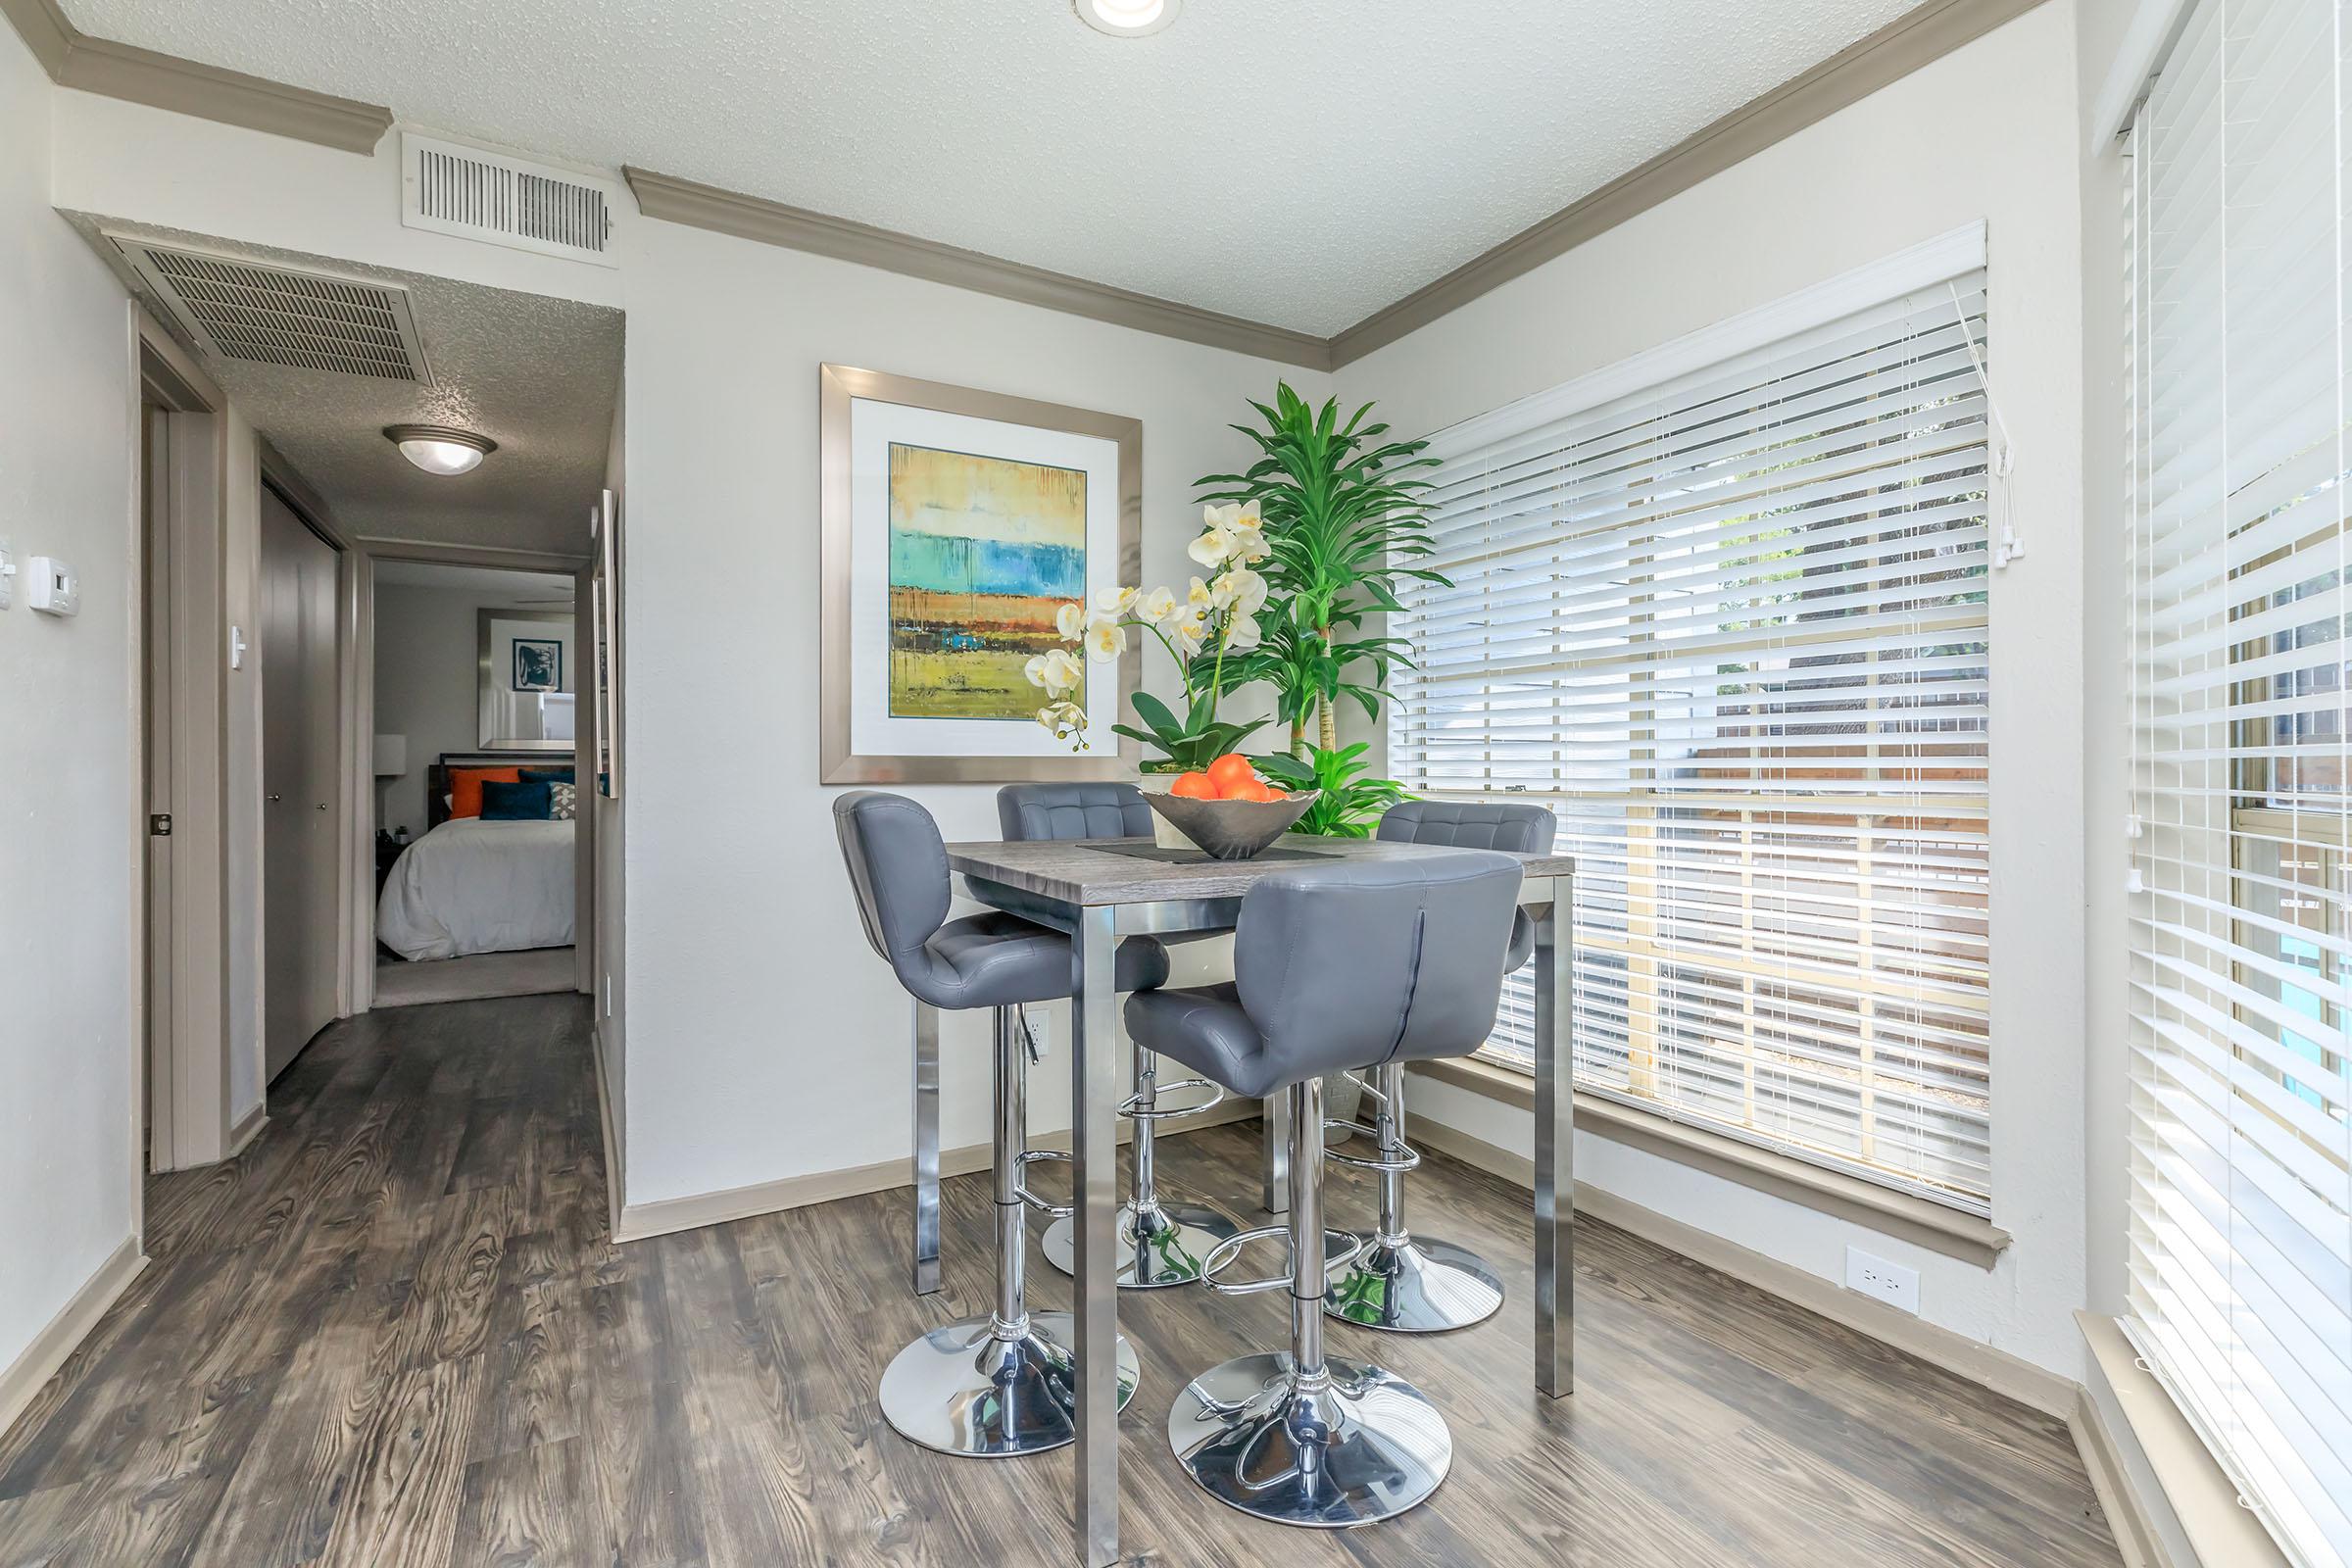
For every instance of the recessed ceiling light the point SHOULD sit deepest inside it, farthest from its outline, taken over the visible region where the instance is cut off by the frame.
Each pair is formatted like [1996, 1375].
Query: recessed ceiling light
[438, 448]
[1127, 18]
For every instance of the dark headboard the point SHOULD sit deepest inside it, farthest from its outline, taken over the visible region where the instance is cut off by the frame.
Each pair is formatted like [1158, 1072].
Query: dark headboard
[436, 776]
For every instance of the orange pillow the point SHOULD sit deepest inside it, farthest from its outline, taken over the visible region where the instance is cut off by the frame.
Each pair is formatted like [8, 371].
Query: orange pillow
[466, 787]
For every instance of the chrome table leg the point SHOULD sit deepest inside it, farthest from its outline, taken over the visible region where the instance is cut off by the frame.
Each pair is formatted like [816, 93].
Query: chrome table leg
[1094, 1175]
[1555, 1149]
[1276, 1120]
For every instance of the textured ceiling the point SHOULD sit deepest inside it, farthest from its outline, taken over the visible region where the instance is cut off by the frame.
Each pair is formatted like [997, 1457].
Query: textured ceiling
[538, 376]
[1296, 162]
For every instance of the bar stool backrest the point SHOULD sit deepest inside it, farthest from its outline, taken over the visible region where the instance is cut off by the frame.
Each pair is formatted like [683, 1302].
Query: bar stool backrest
[1087, 810]
[1357, 964]
[899, 868]
[1520, 828]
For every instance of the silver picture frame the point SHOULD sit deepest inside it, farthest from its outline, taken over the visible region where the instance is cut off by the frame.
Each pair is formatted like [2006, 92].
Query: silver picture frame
[838, 764]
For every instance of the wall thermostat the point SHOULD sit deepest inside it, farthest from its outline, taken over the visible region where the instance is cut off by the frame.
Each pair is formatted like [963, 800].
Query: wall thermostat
[51, 586]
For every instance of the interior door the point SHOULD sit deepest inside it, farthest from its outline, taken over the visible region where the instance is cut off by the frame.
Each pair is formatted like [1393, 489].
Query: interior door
[299, 783]
[156, 707]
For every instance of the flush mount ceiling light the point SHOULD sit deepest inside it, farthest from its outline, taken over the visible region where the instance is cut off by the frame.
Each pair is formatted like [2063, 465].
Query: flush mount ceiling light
[1127, 18]
[438, 448]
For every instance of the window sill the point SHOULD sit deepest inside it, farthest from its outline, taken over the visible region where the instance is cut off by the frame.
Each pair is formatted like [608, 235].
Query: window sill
[1914, 1220]
[2198, 1490]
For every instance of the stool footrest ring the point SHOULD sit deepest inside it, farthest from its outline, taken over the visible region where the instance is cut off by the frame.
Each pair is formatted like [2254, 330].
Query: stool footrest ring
[1130, 1107]
[1407, 1160]
[1222, 1255]
[1021, 1190]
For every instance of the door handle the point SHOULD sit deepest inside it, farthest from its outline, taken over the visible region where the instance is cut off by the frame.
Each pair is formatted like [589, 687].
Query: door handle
[273, 800]
[321, 805]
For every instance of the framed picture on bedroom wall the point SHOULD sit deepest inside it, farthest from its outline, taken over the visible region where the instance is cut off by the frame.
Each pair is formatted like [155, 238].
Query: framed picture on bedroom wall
[954, 523]
[526, 701]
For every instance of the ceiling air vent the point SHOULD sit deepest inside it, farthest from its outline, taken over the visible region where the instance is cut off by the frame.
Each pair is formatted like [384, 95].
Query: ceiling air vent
[268, 315]
[502, 201]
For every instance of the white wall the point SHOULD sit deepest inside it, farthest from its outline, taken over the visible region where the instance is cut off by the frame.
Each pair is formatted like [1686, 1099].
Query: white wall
[1987, 132]
[765, 1040]
[69, 1011]
[427, 663]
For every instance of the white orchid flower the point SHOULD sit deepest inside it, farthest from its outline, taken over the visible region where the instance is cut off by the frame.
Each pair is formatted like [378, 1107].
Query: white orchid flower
[1212, 547]
[1070, 622]
[1035, 669]
[1158, 605]
[1244, 590]
[1115, 600]
[1249, 543]
[1241, 634]
[1105, 638]
[1200, 595]
[1188, 628]
[1057, 671]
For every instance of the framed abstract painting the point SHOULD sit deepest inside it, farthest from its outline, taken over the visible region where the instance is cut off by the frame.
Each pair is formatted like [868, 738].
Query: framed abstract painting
[954, 523]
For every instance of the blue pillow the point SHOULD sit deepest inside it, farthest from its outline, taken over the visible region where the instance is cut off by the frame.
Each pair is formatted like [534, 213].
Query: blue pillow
[516, 802]
[547, 775]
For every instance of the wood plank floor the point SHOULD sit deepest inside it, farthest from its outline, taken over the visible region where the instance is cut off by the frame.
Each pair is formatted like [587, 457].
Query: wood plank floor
[394, 1333]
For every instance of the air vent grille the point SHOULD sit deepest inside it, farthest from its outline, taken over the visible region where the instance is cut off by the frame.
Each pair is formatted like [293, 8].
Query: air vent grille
[463, 190]
[244, 310]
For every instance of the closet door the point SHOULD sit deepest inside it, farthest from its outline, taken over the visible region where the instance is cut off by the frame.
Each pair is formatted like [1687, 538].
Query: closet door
[299, 774]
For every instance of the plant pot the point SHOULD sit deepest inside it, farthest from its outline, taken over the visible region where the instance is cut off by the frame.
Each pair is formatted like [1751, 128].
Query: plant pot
[1230, 830]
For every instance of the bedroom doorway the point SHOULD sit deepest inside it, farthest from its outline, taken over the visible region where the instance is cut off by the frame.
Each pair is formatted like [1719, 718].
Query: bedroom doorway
[479, 684]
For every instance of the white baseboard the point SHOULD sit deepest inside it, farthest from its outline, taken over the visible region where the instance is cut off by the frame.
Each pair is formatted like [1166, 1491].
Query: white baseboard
[23, 1378]
[2135, 1536]
[616, 1181]
[1957, 1353]
[635, 1222]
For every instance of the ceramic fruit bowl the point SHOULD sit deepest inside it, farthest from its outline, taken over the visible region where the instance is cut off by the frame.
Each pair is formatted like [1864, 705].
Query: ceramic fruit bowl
[1232, 831]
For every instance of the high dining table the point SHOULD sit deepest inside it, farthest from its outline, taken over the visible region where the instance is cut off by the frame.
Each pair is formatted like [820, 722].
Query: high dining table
[1101, 889]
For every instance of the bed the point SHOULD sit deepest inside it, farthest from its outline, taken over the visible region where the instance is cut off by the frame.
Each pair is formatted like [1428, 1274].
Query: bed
[473, 886]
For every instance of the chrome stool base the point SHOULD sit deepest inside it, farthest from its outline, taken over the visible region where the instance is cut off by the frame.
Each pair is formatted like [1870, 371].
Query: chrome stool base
[961, 1390]
[1367, 1447]
[1171, 1255]
[1419, 1287]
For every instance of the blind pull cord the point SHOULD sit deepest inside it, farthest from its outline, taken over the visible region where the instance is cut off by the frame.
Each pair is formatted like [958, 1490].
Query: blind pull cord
[2007, 547]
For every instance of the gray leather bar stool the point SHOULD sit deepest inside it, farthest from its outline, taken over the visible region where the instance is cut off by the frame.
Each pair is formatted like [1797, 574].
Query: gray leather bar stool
[1333, 967]
[1403, 1283]
[1003, 1384]
[1160, 1243]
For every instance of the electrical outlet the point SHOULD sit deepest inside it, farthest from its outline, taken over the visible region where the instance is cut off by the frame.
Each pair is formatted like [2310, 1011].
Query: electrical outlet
[1040, 1030]
[1881, 1281]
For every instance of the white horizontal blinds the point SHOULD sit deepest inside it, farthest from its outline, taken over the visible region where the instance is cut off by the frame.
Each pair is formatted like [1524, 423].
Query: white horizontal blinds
[2240, 1291]
[1732, 628]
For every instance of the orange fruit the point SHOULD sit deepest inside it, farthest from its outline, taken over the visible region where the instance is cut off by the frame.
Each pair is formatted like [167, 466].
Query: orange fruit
[1194, 787]
[1250, 790]
[1231, 771]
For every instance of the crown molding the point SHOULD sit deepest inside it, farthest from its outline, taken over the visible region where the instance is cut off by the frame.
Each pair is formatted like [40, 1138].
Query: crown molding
[1916, 38]
[124, 70]
[684, 201]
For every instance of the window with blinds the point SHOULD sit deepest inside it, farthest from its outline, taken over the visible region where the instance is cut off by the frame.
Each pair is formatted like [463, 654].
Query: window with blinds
[1731, 625]
[2240, 1182]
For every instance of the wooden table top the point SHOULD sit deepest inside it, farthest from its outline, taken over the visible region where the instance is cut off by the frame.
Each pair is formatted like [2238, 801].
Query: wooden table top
[1092, 872]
